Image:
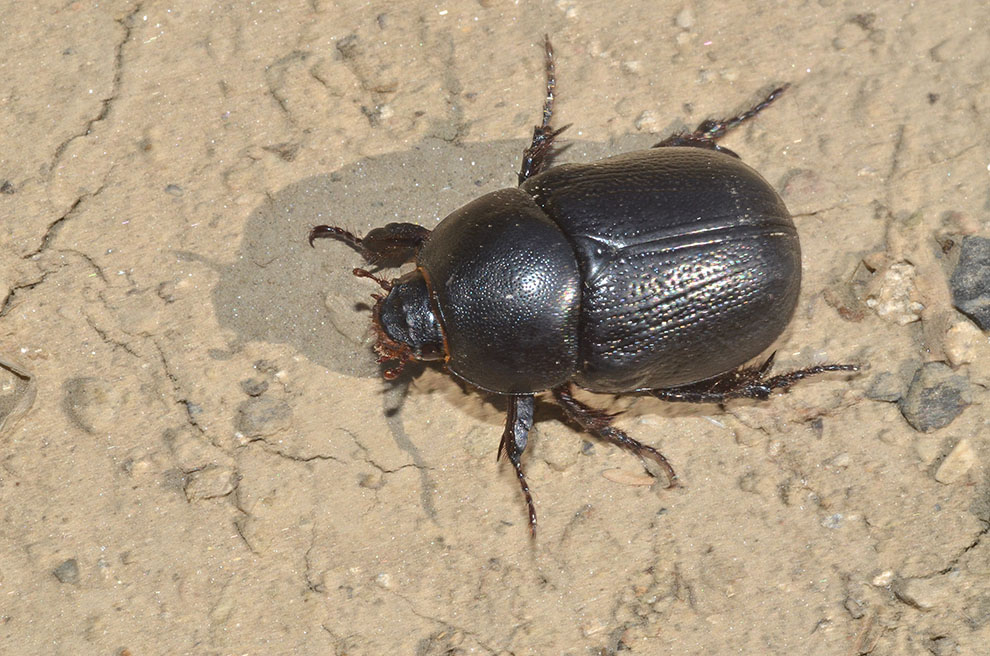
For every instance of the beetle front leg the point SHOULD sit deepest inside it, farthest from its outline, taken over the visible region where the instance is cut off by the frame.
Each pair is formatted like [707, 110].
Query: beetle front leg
[710, 130]
[537, 157]
[518, 422]
[599, 423]
[744, 382]
[392, 245]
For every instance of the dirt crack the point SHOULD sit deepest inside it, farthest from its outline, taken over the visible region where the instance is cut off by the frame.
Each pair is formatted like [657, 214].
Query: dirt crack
[954, 562]
[106, 103]
[276, 451]
[8, 301]
[190, 409]
[107, 339]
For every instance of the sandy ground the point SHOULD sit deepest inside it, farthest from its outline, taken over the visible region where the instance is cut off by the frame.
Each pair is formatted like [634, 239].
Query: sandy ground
[199, 456]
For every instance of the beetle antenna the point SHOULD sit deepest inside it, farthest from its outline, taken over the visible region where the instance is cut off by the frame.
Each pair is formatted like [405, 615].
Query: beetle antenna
[363, 273]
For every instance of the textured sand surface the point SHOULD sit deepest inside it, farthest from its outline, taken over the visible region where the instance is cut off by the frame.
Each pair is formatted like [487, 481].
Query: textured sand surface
[199, 456]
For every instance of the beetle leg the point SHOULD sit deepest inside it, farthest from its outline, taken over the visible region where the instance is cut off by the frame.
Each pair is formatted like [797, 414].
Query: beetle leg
[392, 245]
[518, 422]
[599, 423]
[540, 151]
[710, 130]
[744, 382]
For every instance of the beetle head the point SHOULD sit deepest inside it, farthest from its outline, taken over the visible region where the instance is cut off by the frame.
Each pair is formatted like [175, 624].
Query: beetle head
[404, 321]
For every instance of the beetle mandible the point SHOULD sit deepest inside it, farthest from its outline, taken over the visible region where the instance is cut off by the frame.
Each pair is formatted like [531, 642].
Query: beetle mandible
[662, 272]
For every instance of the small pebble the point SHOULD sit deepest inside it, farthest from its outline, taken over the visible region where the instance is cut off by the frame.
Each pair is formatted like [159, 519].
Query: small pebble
[372, 481]
[883, 579]
[937, 396]
[970, 282]
[923, 594]
[139, 466]
[210, 482]
[891, 296]
[632, 66]
[957, 464]
[964, 343]
[647, 121]
[685, 18]
[68, 572]
[254, 386]
[855, 607]
[833, 521]
[260, 416]
[840, 461]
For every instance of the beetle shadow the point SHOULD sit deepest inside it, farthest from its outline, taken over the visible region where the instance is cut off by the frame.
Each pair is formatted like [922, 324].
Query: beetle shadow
[279, 289]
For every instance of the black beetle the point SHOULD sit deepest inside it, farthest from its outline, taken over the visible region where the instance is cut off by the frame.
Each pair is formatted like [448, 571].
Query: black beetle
[662, 271]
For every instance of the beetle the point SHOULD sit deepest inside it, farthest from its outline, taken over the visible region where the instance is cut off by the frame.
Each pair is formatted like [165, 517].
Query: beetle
[660, 272]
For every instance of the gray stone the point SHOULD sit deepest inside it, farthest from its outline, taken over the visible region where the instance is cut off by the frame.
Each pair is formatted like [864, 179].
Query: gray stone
[67, 572]
[937, 395]
[970, 282]
[957, 464]
[887, 386]
[923, 594]
[260, 417]
[254, 386]
[211, 482]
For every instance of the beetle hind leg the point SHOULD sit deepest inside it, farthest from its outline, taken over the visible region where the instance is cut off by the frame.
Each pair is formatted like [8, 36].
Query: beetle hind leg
[707, 134]
[518, 422]
[599, 423]
[537, 157]
[745, 382]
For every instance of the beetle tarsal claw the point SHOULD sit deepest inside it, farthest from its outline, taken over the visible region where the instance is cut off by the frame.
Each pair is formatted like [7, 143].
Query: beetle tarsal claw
[744, 383]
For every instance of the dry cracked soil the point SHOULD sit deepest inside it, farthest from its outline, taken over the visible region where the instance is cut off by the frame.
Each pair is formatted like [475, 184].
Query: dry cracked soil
[198, 454]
